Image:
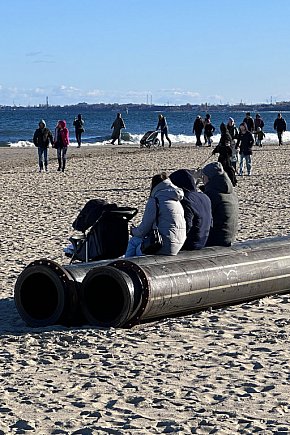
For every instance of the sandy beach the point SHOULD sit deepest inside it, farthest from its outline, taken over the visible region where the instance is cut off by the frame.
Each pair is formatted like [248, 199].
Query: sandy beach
[222, 371]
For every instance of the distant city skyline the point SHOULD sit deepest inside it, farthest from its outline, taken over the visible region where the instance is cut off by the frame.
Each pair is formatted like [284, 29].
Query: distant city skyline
[165, 52]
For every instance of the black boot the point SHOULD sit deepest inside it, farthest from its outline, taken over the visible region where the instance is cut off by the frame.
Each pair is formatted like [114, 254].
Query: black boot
[59, 164]
[63, 166]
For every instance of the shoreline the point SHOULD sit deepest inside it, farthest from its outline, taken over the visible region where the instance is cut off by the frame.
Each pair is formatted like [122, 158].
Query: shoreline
[20, 156]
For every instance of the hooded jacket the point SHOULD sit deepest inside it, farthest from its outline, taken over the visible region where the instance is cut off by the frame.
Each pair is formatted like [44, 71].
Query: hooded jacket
[62, 136]
[232, 129]
[171, 222]
[225, 153]
[224, 145]
[225, 210]
[42, 136]
[197, 210]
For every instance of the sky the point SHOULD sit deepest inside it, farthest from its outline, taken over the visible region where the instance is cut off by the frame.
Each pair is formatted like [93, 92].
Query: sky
[133, 51]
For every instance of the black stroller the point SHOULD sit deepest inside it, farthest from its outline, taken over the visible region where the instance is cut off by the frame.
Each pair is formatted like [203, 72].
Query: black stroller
[105, 231]
[150, 138]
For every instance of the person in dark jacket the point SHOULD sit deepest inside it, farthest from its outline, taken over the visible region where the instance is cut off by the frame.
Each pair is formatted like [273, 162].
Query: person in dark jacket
[225, 153]
[231, 126]
[117, 125]
[42, 138]
[224, 205]
[197, 210]
[249, 122]
[208, 131]
[162, 124]
[259, 123]
[245, 145]
[280, 126]
[197, 130]
[79, 129]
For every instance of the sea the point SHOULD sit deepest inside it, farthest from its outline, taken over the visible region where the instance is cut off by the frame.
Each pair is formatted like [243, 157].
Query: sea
[17, 124]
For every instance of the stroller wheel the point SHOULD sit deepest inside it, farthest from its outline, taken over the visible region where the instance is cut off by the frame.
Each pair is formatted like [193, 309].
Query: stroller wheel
[157, 142]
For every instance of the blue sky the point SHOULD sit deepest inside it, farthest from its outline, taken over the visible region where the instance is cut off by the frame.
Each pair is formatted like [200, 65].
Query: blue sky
[173, 51]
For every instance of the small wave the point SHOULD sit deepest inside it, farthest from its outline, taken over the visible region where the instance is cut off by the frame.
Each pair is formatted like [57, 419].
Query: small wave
[134, 139]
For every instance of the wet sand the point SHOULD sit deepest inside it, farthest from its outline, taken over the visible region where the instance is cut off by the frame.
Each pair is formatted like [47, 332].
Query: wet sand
[223, 371]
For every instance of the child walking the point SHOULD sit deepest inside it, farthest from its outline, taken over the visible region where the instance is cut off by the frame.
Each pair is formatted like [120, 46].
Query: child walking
[260, 136]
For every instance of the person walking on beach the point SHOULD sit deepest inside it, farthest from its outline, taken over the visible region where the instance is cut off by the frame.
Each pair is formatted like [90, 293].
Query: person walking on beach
[245, 144]
[248, 120]
[232, 129]
[162, 124]
[197, 130]
[61, 143]
[259, 123]
[79, 129]
[208, 131]
[260, 135]
[280, 126]
[42, 138]
[117, 125]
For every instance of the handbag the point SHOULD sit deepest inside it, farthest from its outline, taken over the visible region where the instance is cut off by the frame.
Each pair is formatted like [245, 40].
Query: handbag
[152, 242]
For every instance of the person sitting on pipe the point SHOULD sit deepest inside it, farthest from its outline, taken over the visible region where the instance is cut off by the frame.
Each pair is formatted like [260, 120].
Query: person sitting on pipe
[224, 204]
[197, 210]
[171, 222]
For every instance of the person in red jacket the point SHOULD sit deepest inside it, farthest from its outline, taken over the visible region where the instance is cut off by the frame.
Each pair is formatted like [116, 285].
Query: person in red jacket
[61, 143]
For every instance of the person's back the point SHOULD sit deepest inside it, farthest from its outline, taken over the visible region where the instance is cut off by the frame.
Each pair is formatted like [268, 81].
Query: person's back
[197, 210]
[171, 222]
[224, 203]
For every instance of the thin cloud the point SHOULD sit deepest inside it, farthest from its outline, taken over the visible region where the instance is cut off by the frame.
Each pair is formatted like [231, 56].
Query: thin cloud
[33, 53]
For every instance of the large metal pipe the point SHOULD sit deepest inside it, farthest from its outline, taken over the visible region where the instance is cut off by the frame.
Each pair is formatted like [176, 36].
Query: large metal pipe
[47, 293]
[248, 271]
[120, 297]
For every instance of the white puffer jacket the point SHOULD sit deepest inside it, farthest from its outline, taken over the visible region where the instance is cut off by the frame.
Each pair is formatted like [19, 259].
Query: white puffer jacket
[171, 225]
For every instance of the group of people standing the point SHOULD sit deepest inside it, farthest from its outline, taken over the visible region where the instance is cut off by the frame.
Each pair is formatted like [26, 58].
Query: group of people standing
[236, 141]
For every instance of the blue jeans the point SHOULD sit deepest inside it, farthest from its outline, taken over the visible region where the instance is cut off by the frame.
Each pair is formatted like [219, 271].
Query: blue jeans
[134, 247]
[42, 156]
[61, 157]
[248, 159]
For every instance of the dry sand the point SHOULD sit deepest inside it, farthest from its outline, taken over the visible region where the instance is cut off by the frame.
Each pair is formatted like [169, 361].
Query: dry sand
[223, 371]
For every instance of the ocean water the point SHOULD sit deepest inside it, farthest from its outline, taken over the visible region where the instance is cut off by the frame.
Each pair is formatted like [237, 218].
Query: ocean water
[17, 125]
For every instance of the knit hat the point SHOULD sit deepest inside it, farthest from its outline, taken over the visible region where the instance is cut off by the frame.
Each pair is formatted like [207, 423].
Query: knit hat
[42, 122]
[213, 169]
